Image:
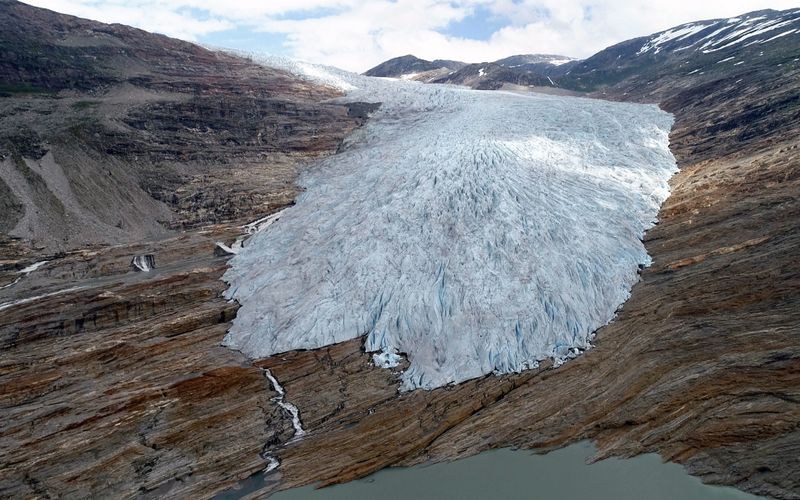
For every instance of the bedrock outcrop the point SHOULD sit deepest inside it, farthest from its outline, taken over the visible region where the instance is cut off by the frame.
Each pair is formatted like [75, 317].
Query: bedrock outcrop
[113, 382]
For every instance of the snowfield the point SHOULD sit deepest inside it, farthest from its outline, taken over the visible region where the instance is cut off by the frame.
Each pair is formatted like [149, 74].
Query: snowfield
[474, 231]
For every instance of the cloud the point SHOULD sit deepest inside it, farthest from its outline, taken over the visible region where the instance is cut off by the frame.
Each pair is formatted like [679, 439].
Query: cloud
[357, 34]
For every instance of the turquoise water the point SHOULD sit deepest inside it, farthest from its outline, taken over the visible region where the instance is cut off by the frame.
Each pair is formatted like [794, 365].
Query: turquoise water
[509, 474]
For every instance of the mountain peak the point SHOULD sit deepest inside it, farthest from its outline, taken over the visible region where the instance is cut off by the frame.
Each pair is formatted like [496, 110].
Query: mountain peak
[410, 64]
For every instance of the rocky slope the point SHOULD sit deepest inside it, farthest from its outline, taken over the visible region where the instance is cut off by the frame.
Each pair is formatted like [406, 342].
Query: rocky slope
[544, 64]
[109, 134]
[523, 71]
[755, 45]
[114, 384]
[413, 68]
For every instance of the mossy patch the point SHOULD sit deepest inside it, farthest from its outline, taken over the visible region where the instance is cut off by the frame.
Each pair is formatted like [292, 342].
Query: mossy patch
[84, 105]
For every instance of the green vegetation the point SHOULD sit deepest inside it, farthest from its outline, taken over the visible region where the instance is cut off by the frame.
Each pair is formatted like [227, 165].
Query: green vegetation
[11, 89]
[83, 105]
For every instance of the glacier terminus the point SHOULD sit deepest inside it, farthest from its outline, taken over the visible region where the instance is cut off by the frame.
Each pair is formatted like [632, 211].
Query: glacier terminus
[473, 231]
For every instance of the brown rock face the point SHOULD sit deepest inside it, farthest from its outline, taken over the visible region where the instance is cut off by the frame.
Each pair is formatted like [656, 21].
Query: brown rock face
[107, 390]
[110, 378]
[113, 383]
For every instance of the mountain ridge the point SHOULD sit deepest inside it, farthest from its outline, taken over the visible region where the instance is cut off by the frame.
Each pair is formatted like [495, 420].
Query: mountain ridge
[668, 50]
[522, 68]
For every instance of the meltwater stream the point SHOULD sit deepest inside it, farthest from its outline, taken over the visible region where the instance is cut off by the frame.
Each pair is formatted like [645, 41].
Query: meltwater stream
[474, 231]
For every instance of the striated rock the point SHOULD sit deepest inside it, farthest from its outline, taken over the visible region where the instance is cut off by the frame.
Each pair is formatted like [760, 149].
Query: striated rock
[113, 383]
[120, 387]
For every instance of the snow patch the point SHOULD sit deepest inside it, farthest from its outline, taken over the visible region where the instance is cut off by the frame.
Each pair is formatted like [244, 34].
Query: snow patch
[780, 35]
[261, 224]
[12, 283]
[272, 464]
[678, 33]
[33, 267]
[745, 32]
[143, 263]
[25, 271]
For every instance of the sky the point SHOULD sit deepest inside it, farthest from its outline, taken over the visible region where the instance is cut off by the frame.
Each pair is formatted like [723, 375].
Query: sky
[358, 34]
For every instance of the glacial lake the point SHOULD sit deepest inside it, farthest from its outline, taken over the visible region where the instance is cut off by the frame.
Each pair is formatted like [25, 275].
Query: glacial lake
[520, 474]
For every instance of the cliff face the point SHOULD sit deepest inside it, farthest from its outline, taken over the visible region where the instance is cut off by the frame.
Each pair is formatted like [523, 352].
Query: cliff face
[113, 382]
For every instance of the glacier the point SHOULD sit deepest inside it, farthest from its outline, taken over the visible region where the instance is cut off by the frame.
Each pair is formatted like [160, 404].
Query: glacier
[474, 232]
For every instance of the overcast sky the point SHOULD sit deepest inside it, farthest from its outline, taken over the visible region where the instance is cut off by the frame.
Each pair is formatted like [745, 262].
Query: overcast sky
[358, 34]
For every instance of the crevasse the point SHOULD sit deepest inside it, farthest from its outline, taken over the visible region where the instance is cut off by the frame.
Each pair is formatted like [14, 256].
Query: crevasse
[475, 231]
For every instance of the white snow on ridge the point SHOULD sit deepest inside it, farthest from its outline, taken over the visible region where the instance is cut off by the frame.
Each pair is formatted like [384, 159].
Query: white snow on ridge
[476, 232]
[728, 33]
[780, 35]
[678, 33]
[741, 35]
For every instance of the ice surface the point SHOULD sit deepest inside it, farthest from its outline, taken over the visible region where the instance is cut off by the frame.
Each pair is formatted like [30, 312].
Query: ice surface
[476, 232]
[387, 359]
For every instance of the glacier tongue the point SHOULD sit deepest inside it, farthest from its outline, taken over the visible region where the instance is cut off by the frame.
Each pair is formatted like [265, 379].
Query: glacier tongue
[475, 231]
